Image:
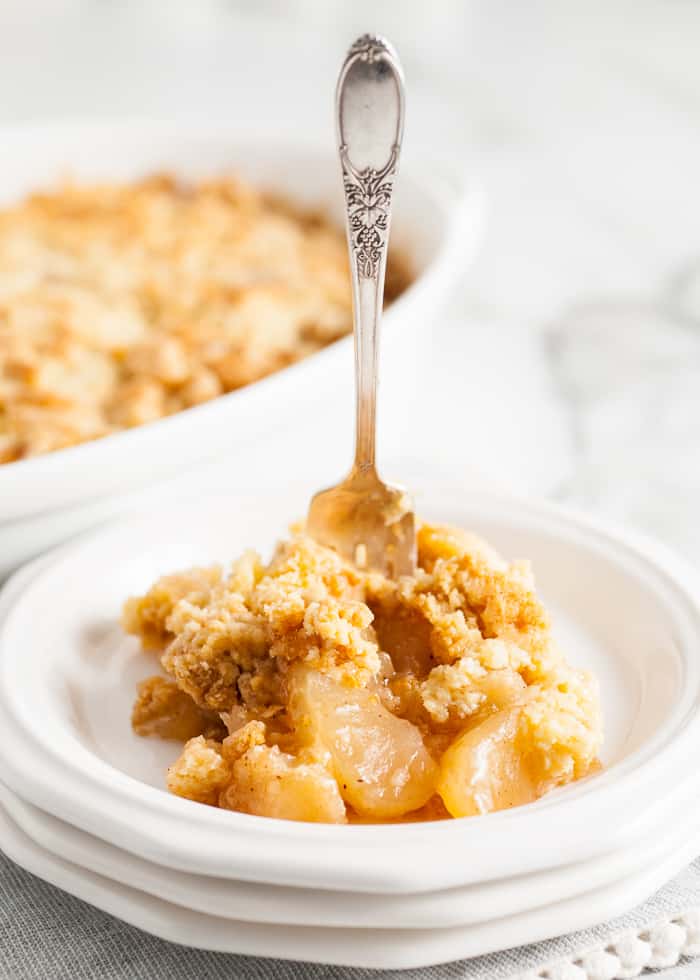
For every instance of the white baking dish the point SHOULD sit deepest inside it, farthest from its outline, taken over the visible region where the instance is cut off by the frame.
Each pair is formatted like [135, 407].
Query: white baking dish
[437, 221]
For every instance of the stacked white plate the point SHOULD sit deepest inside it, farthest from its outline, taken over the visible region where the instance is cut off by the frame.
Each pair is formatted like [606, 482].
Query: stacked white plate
[83, 803]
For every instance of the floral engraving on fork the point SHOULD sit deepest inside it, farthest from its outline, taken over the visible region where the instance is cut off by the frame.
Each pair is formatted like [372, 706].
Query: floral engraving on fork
[368, 195]
[368, 47]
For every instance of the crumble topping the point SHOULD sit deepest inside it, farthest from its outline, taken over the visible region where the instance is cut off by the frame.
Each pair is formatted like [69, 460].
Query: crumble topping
[123, 303]
[347, 696]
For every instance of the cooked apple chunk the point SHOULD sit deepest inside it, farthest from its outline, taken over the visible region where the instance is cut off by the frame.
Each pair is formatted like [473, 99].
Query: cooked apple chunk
[270, 783]
[483, 769]
[382, 767]
[521, 752]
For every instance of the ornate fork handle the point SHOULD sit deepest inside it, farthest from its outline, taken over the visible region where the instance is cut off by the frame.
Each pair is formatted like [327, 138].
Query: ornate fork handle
[370, 112]
[368, 202]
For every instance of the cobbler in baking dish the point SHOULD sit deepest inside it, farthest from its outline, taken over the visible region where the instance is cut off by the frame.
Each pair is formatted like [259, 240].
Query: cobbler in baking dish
[309, 690]
[124, 303]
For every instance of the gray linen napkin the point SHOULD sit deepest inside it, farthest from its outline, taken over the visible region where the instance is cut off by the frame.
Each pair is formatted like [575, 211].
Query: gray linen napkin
[46, 934]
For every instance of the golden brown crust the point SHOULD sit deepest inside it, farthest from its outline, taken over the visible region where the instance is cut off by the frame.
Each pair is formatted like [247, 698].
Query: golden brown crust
[124, 303]
[200, 773]
[147, 615]
[236, 648]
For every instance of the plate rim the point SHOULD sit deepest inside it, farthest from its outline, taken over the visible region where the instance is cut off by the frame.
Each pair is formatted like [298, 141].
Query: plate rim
[170, 922]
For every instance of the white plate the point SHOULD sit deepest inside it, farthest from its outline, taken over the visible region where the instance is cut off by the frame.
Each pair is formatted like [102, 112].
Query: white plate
[626, 610]
[250, 902]
[247, 901]
[381, 949]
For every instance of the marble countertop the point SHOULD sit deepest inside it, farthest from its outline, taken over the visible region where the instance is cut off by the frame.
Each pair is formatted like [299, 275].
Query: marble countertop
[569, 361]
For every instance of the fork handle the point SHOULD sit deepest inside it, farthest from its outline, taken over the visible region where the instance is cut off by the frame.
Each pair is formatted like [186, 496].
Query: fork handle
[369, 115]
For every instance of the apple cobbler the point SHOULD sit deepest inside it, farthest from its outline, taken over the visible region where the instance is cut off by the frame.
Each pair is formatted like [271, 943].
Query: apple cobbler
[124, 303]
[309, 690]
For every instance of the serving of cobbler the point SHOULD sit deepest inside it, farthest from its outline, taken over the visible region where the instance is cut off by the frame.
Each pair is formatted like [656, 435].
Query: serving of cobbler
[309, 690]
[123, 303]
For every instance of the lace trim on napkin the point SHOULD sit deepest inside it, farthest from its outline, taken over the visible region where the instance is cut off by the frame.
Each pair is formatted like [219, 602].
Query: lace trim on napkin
[632, 953]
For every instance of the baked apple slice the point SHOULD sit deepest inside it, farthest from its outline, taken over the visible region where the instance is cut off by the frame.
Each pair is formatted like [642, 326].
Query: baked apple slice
[382, 767]
[484, 769]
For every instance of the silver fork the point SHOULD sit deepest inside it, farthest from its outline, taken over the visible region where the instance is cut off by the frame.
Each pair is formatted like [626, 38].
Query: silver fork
[369, 522]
